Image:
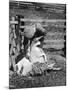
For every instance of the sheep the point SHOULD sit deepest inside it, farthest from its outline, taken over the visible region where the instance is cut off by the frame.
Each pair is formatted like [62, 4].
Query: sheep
[36, 54]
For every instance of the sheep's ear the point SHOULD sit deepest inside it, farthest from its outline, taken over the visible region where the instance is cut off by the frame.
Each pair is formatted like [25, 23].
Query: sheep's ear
[32, 43]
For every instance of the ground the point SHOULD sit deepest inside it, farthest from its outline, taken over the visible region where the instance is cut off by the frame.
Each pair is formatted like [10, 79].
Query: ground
[51, 78]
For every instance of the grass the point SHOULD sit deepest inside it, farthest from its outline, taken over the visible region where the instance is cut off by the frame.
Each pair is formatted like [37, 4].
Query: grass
[51, 78]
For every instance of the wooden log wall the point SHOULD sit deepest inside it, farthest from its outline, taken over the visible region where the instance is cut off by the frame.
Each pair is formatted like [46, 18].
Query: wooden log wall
[52, 17]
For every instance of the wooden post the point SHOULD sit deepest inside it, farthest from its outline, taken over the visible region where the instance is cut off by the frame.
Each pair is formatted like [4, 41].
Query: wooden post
[12, 50]
[13, 21]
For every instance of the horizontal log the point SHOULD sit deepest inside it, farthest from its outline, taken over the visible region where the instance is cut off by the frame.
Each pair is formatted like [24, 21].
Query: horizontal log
[53, 23]
[43, 20]
[13, 22]
[55, 33]
[54, 41]
[58, 26]
[53, 38]
[54, 46]
[56, 57]
[54, 52]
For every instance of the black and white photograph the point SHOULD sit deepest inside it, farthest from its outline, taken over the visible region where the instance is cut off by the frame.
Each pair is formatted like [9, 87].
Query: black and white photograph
[37, 44]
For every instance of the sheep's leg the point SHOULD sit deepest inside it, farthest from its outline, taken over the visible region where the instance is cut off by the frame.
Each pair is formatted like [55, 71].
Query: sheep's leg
[19, 68]
[44, 56]
[13, 63]
[56, 68]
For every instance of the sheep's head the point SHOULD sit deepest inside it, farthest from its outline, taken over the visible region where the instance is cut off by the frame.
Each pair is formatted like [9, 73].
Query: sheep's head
[36, 42]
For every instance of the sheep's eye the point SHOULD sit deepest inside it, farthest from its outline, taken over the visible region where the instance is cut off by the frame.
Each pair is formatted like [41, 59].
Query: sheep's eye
[38, 45]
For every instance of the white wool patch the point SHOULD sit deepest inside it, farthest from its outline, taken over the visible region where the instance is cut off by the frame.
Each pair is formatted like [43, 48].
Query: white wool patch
[27, 66]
